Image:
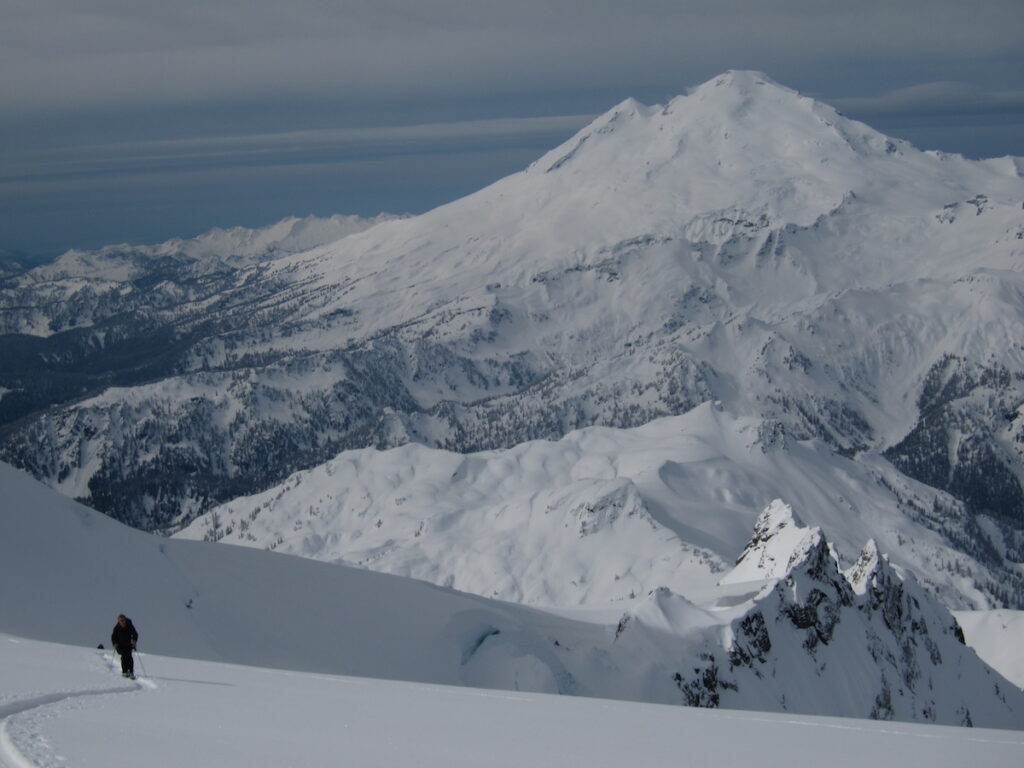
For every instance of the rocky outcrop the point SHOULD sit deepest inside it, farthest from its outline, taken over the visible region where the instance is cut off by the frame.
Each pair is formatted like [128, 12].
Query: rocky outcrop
[864, 642]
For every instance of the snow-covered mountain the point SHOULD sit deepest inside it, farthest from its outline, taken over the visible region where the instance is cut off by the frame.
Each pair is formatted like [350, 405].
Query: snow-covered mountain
[741, 243]
[803, 637]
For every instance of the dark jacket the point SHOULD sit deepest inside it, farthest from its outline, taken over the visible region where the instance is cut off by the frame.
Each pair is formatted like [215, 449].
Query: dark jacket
[124, 638]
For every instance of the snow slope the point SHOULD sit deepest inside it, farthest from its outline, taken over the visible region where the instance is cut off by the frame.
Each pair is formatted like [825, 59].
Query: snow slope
[998, 637]
[203, 714]
[813, 641]
[76, 570]
[598, 516]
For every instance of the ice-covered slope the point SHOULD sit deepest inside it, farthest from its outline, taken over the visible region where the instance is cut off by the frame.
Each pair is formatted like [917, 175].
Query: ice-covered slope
[811, 641]
[742, 243]
[600, 515]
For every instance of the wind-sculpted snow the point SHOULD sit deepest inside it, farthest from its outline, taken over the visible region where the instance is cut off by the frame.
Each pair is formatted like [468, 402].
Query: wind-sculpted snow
[806, 640]
[741, 243]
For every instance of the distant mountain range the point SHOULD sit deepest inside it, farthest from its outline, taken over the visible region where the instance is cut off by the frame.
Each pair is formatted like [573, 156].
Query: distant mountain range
[837, 290]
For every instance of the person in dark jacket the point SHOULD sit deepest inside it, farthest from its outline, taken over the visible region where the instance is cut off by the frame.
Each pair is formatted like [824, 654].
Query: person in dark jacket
[124, 637]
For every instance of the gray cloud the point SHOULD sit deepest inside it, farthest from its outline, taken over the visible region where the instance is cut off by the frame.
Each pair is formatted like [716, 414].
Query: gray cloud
[199, 101]
[943, 98]
[290, 147]
[59, 54]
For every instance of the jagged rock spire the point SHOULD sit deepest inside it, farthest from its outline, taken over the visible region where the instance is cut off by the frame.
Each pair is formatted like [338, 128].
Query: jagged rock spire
[780, 540]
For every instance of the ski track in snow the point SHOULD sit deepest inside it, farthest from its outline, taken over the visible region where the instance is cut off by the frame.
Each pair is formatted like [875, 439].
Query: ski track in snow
[21, 743]
[255, 717]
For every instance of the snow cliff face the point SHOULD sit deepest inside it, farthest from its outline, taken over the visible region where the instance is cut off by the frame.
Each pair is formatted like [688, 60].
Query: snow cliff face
[741, 243]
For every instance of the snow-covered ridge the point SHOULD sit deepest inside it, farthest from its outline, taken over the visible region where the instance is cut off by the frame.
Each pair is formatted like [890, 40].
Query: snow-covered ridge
[234, 246]
[600, 516]
[118, 278]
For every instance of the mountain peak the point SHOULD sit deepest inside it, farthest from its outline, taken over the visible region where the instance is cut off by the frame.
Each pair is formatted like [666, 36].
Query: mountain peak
[780, 541]
[740, 141]
[746, 97]
[744, 81]
[867, 568]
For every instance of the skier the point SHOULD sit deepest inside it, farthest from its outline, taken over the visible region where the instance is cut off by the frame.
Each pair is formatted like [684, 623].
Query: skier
[123, 639]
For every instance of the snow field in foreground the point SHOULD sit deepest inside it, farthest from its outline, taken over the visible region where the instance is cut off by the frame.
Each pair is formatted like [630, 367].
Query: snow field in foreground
[207, 714]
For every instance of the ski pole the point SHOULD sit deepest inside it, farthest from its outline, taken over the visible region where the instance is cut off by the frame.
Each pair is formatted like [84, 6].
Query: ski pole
[141, 665]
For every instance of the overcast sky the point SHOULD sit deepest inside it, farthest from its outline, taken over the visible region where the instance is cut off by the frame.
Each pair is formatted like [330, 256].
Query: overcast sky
[134, 120]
